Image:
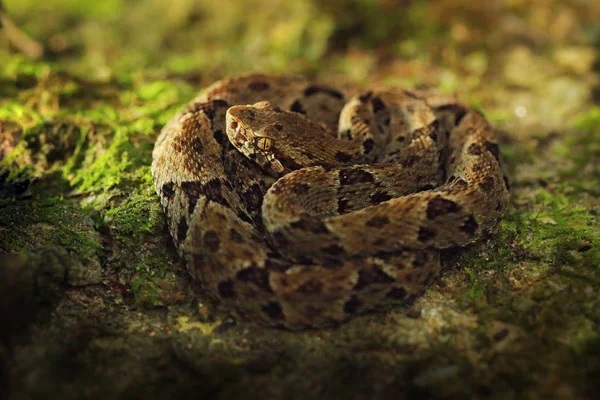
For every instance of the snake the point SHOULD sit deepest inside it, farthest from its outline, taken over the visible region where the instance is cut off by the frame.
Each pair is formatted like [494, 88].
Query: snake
[299, 207]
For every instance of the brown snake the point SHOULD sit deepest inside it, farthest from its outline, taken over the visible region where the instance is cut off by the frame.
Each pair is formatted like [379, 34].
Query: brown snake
[300, 210]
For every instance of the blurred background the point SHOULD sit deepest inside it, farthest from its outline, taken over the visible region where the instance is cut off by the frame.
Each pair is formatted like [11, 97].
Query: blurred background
[363, 39]
[471, 47]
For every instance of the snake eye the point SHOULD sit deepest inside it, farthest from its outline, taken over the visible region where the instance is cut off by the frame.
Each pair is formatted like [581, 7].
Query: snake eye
[263, 143]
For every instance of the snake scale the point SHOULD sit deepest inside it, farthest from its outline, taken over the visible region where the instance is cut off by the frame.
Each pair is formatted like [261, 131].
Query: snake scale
[300, 209]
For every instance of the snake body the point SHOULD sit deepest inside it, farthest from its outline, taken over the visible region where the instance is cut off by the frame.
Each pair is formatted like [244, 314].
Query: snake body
[300, 209]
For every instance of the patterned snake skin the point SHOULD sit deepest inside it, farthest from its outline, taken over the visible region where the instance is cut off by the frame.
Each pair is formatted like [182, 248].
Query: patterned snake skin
[300, 209]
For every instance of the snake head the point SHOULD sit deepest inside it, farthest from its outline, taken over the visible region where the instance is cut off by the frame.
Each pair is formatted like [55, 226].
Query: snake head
[253, 130]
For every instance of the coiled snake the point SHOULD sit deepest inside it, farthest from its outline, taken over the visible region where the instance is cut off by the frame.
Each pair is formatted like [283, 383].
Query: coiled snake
[299, 209]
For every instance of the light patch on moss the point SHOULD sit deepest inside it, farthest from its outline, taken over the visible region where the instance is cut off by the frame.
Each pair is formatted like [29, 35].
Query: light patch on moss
[184, 325]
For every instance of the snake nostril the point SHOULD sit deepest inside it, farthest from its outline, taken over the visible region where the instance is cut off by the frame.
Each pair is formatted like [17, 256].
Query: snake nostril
[233, 125]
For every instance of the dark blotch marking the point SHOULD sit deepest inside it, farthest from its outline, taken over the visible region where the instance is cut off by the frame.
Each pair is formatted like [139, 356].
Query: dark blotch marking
[289, 162]
[371, 276]
[411, 95]
[379, 242]
[211, 241]
[396, 294]
[197, 145]
[470, 226]
[425, 187]
[425, 234]
[332, 263]
[219, 137]
[258, 86]
[256, 276]
[236, 236]
[584, 248]
[210, 112]
[275, 264]
[274, 311]
[253, 197]
[323, 89]
[494, 149]
[193, 190]
[498, 336]
[342, 157]
[353, 176]
[297, 107]
[311, 90]
[365, 96]
[352, 305]
[378, 222]
[278, 127]
[182, 228]
[303, 259]
[313, 286]
[300, 188]
[368, 145]
[433, 135]
[506, 182]
[342, 206]
[333, 250]
[440, 206]
[460, 184]
[280, 240]
[212, 191]
[380, 197]
[433, 130]
[458, 111]
[167, 190]
[221, 103]
[377, 104]
[420, 259]
[474, 149]
[409, 161]
[310, 224]
[487, 184]
[225, 289]
[245, 217]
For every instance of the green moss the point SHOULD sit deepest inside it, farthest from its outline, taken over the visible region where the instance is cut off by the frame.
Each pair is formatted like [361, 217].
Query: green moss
[583, 149]
[146, 291]
[137, 216]
[476, 287]
[555, 235]
[559, 230]
[136, 226]
[26, 225]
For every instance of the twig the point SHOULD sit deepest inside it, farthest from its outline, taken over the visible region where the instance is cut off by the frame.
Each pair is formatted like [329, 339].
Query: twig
[19, 39]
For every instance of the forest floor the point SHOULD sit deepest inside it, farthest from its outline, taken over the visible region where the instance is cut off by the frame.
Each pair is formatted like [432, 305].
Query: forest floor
[94, 302]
